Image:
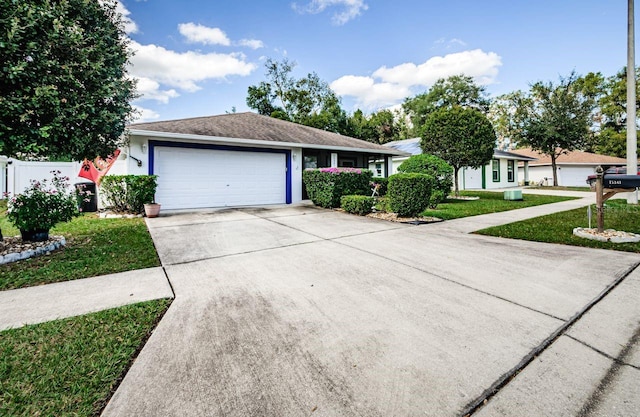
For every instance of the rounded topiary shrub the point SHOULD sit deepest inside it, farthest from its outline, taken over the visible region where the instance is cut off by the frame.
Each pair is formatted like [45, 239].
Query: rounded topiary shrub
[409, 194]
[357, 204]
[438, 168]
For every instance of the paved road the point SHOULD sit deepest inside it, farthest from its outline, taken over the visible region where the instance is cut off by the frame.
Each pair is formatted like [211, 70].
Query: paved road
[296, 311]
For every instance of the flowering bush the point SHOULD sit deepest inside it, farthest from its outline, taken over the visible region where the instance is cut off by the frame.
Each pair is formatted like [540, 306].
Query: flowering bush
[40, 207]
[337, 171]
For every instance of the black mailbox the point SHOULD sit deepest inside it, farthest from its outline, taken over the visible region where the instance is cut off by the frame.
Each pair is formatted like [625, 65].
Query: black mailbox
[621, 181]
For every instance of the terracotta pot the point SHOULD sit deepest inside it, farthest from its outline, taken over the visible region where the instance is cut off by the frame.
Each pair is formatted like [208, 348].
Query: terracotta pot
[152, 210]
[38, 235]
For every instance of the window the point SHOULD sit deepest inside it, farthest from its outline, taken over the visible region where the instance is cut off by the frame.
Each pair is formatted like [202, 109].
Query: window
[379, 170]
[510, 170]
[495, 168]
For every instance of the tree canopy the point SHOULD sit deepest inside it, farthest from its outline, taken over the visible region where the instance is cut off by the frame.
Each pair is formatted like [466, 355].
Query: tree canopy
[308, 100]
[553, 118]
[457, 90]
[65, 90]
[463, 137]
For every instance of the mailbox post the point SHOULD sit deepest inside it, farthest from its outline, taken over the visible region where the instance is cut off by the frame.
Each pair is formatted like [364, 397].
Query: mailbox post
[600, 198]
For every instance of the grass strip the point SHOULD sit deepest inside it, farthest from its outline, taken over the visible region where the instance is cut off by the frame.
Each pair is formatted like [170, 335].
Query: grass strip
[489, 202]
[72, 366]
[558, 227]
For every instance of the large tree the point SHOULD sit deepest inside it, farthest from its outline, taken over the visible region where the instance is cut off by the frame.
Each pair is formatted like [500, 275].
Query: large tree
[463, 137]
[553, 118]
[610, 117]
[65, 90]
[457, 90]
[308, 100]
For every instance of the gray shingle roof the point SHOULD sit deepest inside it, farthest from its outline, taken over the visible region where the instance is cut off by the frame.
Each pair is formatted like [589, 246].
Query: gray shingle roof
[257, 127]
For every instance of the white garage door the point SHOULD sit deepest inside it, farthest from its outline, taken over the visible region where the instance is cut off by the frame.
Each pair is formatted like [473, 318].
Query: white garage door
[197, 178]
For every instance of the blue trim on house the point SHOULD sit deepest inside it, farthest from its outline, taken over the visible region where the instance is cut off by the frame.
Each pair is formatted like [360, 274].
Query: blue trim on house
[166, 144]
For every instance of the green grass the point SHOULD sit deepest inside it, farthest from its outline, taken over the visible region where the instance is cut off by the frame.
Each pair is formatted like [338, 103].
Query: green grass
[558, 227]
[94, 247]
[72, 366]
[571, 188]
[489, 202]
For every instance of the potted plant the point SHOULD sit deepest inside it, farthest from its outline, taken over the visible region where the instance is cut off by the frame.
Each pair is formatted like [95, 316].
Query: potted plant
[152, 209]
[40, 207]
[147, 185]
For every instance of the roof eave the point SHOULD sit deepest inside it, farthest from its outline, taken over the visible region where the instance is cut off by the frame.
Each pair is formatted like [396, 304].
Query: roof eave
[255, 142]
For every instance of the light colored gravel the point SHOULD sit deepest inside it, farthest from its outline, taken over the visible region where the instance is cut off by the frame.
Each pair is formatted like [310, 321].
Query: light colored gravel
[14, 249]
[608, 235]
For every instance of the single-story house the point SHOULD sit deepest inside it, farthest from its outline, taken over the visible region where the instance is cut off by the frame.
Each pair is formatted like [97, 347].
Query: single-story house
[236, 159]
[500, 172]
[573, 167]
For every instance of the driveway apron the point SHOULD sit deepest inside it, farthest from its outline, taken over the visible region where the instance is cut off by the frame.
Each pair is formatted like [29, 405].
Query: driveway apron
[297, 311]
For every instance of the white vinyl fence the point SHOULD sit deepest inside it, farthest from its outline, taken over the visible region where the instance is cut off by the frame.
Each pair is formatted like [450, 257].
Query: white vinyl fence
[17, 175]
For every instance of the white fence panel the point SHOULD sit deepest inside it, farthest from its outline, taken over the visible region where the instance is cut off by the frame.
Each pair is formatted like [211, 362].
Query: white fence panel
[21, 173]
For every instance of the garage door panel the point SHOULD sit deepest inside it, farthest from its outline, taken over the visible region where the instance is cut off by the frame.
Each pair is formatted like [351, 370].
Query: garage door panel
[198, 178]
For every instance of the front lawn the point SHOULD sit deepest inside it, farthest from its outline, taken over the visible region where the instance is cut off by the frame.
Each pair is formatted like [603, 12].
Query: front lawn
[72, 366]
[94, 247]
[489, 202]
[560, 188]
[558, 227]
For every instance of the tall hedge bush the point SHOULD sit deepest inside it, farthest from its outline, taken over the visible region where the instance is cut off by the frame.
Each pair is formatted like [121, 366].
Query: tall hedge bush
[128, 193]
[325, 186]
[409, 194]
[436, 167]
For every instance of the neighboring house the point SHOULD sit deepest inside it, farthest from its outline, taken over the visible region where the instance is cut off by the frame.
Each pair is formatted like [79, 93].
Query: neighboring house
[236, 159]
[501, 172]
[573, 167]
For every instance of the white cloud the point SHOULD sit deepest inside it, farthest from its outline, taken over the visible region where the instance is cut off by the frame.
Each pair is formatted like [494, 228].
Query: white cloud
[351, 9]
[150, 90]
[129, 25]
[145, 115]
[184, 70]
[448, 44]
[369, 94]
[202, 34]
[386, 86]
[251, 43]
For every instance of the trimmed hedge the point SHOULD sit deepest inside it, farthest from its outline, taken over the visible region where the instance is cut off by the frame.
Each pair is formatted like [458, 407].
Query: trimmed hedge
[128, 193]
[409, 194]
[438, 168]
[357, 204]
[383, 185]
[325, 186]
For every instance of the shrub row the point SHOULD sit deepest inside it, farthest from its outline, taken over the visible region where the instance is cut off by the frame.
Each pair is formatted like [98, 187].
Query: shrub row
[357, 204]
[128, 193]
[326, 186]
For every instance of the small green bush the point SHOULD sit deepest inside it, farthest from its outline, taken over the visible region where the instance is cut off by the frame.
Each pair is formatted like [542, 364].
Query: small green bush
[383, 184]
[436, 167]
[409, 194]
[357, 204]
[325, 186]
[129, 193]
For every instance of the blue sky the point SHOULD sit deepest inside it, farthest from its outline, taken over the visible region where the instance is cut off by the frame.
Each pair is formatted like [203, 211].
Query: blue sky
[197, 58]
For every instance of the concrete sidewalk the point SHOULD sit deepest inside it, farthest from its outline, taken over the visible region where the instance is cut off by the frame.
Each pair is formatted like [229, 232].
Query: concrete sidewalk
[42, 303]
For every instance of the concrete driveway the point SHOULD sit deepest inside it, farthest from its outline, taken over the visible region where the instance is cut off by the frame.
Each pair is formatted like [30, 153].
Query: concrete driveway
[297, 311]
